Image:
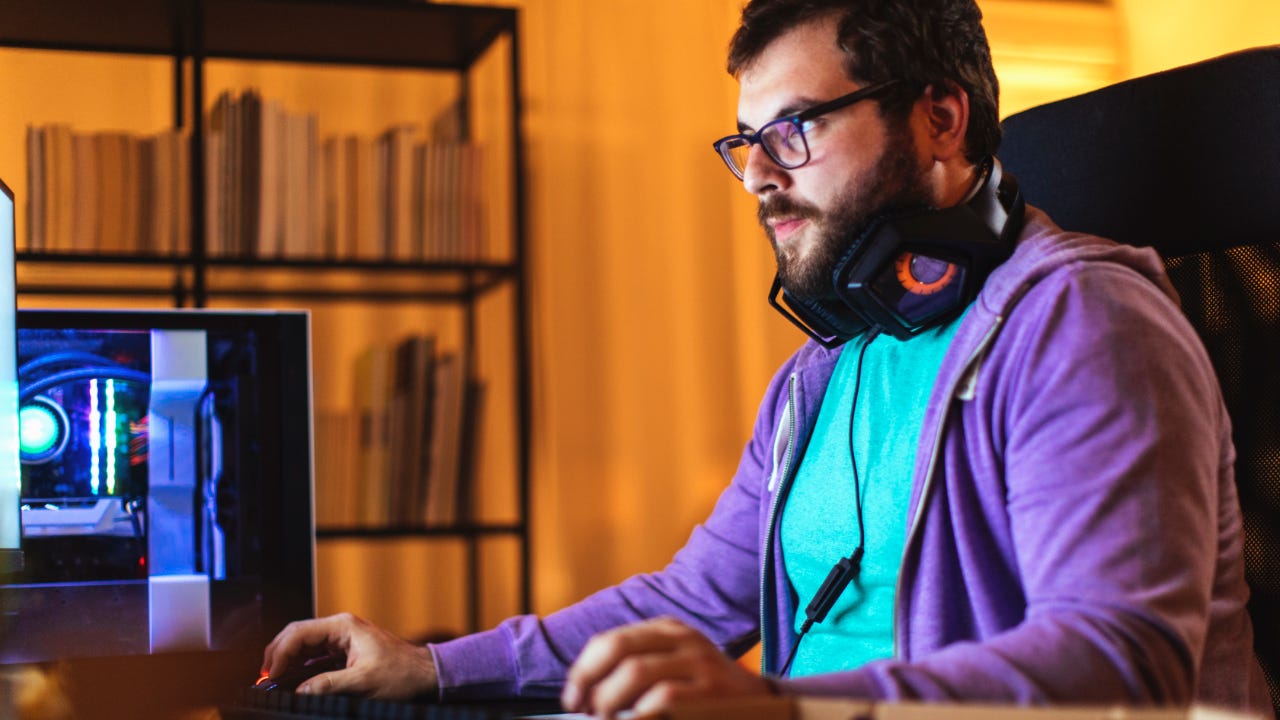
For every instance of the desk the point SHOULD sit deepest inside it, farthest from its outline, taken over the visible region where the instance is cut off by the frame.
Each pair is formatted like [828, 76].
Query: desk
[62, 693]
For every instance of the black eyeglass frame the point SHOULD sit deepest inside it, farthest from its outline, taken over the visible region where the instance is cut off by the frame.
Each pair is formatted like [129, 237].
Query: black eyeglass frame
[723, 147]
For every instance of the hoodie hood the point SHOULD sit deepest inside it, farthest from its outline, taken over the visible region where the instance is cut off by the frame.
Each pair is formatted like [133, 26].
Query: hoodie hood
[1044, 247]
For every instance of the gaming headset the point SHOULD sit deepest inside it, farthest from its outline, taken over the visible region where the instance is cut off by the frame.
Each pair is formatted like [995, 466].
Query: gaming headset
[910, 270]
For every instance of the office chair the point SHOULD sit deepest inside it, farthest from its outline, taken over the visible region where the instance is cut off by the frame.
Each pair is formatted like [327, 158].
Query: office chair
[1188, 161]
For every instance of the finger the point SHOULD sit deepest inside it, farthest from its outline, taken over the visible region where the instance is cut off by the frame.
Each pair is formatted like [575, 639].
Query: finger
[631, 679]
[281, 648]
[306, 638]
[606, 648]
[663, 695]
[347, 682]
[602, 654]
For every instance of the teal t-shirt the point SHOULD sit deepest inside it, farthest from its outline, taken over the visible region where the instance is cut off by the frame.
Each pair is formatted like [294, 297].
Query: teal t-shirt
[820, 522]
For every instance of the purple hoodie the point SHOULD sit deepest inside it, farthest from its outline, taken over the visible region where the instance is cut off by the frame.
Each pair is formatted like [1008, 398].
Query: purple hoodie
[1074, 534]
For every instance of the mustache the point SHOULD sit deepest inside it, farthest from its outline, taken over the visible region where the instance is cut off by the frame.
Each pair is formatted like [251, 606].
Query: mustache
[782, 206]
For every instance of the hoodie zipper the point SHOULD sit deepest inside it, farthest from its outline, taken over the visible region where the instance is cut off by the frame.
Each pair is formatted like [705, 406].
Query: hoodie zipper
[970, 368]
[781, 476]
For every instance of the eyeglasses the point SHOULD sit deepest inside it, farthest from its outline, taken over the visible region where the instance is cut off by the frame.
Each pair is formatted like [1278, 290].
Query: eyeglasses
[783, 139]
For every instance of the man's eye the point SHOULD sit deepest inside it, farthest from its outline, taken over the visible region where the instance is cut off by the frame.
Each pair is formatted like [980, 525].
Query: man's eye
[789, 133]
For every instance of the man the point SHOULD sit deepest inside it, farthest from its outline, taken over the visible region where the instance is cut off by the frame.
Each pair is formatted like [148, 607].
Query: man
[1025, 496]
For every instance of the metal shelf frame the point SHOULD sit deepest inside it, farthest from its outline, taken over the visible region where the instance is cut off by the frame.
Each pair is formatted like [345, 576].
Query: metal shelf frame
[374, 33]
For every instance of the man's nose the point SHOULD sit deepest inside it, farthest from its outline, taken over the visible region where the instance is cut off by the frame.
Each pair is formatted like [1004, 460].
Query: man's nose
[761, 174]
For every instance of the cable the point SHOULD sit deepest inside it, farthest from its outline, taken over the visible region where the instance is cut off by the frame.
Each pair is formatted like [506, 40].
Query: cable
[68, 357]
[847, 569]
[85, 373]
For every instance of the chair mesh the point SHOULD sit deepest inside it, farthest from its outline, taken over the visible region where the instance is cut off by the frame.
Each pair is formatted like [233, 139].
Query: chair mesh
[1232, 297]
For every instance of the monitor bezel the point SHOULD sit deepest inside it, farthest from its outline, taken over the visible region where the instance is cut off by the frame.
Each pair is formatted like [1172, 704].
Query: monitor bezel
[11, 557]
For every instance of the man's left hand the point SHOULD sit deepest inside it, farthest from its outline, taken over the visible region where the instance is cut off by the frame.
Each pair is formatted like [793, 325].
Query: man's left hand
[651, 665]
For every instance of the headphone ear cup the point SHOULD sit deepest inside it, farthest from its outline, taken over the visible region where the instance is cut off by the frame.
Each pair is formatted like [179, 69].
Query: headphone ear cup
[847, 262]
[844, 322]
[825, 321]
[911, 270]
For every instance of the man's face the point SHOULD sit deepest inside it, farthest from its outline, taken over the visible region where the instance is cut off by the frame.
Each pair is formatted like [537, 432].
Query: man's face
[859, 165]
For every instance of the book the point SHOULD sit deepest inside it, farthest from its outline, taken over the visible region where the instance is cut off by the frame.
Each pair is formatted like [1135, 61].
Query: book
[410, 413]
[329, 197]
[86, 223]
[470, 448]
[213, 190]
[132, 190]
[249, 161]
[219, 184]
[397, 431]
[269, 234]
[432, 199]
[300, 238]
[144, 239]
[315, 189]
[370, 216]
[424, 414]
[471, 202]
[447, 425]
[113, 183]
[180, 233]
[162, 203]
[335, 487]
[351, 190]
[420, 352]
[59, 197]
[398, 145]
[373, 394]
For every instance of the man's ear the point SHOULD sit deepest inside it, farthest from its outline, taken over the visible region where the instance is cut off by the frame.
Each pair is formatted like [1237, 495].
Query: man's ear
[946, 112]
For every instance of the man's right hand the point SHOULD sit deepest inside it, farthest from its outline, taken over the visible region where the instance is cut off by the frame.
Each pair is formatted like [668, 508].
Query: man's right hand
[378, 663]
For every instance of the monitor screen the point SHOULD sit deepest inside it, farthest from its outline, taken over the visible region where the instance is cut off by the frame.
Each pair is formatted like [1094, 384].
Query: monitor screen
[166, 491]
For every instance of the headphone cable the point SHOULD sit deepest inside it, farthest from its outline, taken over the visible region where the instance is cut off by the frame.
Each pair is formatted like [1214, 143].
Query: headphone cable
[846, 569]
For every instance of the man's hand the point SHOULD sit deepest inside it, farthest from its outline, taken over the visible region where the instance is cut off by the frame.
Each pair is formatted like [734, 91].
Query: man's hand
[650, 665]
[378, 664]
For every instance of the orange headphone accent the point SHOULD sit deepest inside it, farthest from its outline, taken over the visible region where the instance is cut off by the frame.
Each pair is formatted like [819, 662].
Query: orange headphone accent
[915, 285]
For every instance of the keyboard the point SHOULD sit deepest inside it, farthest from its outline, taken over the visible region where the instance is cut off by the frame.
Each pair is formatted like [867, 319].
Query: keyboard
[281, 705]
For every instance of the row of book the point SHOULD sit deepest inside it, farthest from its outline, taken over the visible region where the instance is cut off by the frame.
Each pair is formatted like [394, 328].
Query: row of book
[107, 191]
[273, 189]
[406, 456]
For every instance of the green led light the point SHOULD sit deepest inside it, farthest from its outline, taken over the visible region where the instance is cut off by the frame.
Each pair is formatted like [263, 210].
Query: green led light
[38, 431]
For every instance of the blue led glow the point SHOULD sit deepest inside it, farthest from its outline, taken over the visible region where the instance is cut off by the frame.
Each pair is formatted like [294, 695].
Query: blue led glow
[95, 437]
[38, 429]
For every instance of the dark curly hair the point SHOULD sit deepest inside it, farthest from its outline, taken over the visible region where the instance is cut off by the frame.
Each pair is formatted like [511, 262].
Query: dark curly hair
[921, 43]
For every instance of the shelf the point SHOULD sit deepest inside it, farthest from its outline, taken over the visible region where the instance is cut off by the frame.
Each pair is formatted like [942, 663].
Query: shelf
[382, 33]
[419, 34]
[410, 531]
[96, 258]
[385, 33]
[148, 27]
[422, 267]
[310, 279]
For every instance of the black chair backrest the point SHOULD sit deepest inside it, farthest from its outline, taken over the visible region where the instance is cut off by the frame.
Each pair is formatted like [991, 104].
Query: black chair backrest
[1188, 161]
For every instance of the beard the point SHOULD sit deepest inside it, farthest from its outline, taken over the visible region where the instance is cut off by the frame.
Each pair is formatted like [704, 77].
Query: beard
[895, 183]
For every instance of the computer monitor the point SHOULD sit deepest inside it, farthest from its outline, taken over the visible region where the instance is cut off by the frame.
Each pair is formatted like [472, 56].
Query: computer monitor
[167, 522]
[10, 478]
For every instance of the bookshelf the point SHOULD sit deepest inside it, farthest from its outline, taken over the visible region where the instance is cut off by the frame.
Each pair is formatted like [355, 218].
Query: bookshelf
[372, 34]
